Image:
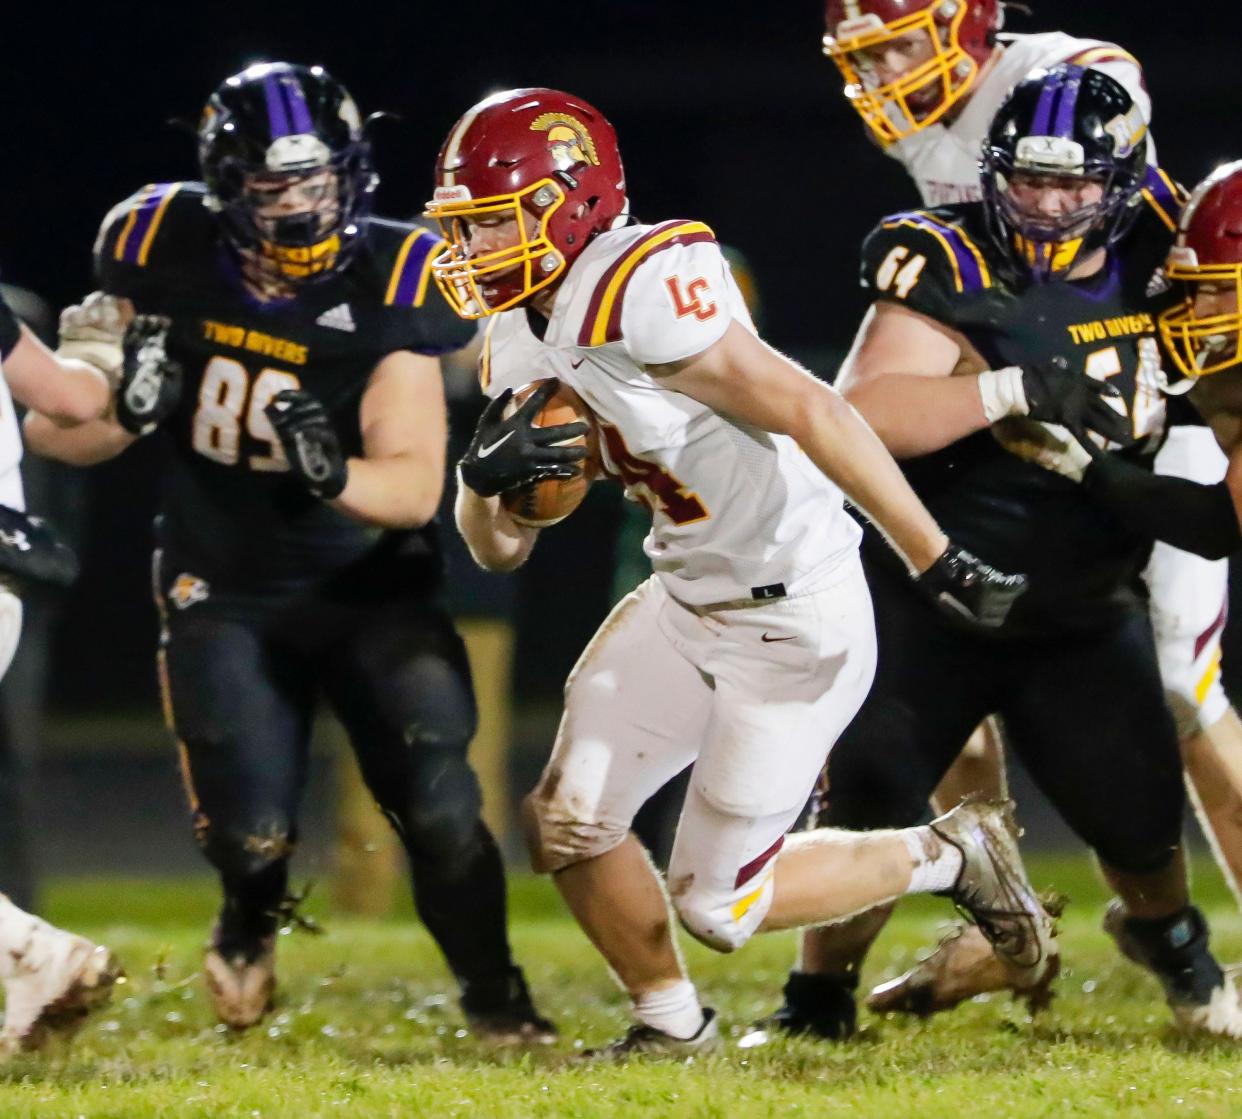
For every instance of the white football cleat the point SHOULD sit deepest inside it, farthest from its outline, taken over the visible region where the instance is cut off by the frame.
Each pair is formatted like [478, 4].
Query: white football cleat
[58, 979]
[241, 990]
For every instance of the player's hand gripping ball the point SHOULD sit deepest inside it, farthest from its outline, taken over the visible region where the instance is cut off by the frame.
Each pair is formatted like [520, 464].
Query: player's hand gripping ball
[548, 500]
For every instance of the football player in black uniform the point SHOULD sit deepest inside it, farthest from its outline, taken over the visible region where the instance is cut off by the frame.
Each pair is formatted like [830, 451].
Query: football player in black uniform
[989, 318]
[286, 343]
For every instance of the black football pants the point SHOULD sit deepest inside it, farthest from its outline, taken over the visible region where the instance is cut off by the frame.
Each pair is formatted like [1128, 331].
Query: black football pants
[1084, 711]
[241, 688]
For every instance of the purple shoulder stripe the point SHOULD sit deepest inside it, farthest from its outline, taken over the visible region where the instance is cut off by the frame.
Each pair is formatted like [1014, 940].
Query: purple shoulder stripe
[1158, 188]
[405, 291]
[136, 234]
[970, 276]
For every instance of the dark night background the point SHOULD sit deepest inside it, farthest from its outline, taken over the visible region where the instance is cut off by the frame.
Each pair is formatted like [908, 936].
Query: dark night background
[726, 112]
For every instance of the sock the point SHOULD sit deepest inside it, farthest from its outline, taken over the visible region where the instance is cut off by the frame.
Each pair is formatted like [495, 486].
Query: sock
[19, 932]
[936, 863]
[673, 1010]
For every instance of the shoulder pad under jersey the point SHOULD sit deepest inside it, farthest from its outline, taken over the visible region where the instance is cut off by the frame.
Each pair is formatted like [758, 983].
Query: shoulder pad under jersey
[150, 230]
[602, 319]
[925, 259]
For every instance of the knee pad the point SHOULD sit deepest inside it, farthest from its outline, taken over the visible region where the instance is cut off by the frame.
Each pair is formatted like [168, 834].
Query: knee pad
[438, 817]
[244, 852]
[557, 836]
[720, 916]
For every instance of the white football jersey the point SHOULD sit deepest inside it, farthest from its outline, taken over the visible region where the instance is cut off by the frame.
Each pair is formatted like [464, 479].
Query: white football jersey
[943, 159]
[738, 513]
[11, 492]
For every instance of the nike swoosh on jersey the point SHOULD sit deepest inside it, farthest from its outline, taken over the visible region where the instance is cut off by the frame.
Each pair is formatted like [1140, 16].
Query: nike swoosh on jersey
[575, 364]
[768, 640]
[485, 451]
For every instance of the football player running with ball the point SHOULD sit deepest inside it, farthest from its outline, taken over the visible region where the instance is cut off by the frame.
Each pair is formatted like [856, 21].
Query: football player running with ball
[51, 978]
[286, 346]
[752, 645]
[926, 77]
[953, 376]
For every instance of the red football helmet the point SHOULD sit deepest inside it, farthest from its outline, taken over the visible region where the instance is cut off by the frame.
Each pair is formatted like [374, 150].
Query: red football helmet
[1208, 250]
[958, 36]
[535, 152]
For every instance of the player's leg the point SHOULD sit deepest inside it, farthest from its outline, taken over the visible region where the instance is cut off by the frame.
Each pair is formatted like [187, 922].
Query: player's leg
[1188, 597]
[240, 710]
[1105, 753]
[400, 683]
[978, 771]
[51, 978]
[931, 688]
[635, 712]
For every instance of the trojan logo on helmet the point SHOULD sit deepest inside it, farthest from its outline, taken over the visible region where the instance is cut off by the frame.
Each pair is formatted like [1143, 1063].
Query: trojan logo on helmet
[1202, 333]
[546, 161]
[1069, 135]
[287, 164]
[906, 63]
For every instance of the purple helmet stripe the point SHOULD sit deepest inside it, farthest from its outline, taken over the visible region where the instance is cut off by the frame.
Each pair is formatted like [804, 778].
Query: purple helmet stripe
[1064, 125]
[277, 116]
[295, 98]
[1043, 107]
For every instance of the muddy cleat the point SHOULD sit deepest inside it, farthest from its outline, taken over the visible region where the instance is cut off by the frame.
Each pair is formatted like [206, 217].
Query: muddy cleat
[992, 886]
[1175, 950]
[58, 982]
[646, 1041]
[962, 966]
[241, 985]
[503, 1013]
[816, 1005]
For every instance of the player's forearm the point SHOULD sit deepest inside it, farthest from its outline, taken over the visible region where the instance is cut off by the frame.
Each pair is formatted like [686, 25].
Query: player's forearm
[844, 447]
[496, 542]
[395, 493]
[82, 445]
[916, 415]
[66, 390]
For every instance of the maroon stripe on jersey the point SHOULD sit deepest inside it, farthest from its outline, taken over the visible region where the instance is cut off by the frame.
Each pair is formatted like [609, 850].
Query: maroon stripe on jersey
[756, 865]
[641, 248]
[1211, 630]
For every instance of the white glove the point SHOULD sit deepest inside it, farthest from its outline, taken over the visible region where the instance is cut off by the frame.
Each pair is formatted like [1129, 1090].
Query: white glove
[94, 330]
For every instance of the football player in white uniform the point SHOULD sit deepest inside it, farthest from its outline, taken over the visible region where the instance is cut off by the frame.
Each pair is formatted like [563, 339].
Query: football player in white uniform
[752, 645]
[927, 77]
[51, 978]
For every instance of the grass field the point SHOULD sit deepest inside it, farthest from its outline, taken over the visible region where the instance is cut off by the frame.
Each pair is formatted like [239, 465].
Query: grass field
[367, 1026]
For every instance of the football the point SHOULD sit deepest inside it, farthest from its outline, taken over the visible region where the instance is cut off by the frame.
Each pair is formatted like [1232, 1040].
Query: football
[541, 504]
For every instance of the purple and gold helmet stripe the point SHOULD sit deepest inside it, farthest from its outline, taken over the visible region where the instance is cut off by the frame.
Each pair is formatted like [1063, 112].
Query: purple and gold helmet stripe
[407, 286]
[970, 270]
[1064, 124]
[134, 243]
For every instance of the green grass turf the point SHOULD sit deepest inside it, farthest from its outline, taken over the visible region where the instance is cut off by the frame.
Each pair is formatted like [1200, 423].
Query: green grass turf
[367, 1026]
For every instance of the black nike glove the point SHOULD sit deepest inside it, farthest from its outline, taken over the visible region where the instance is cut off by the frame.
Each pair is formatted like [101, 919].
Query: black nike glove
[1056, 394]
[305, 431]
[150, 380]
[31, 553]
[963, 586]
[507, 452]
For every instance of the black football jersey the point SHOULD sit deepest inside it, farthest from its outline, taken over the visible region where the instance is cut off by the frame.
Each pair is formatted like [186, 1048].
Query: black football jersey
[1009, 511]
[231, 513]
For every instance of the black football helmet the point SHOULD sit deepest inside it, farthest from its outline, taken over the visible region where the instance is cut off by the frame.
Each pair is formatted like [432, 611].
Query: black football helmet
[277, 125]
[1063, 126]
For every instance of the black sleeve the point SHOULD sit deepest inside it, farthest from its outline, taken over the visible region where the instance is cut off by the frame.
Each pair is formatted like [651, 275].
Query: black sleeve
[10, 329]
[1192, 516]
[902, 263]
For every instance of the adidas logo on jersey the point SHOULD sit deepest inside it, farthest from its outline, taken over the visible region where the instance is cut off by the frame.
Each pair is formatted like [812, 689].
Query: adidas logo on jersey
[338, 318]
[1158, 284]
